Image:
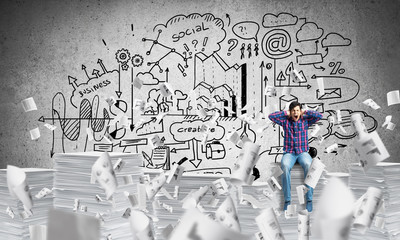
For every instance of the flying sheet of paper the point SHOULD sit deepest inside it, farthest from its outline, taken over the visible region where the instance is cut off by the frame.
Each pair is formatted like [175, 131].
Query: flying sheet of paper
[246, 161]
[269, 225]
[29, 104]
[196, 226]
[393, 97]
[155, 185]
[370, 150]
[140, 226]
[303, 225]
[43, 193]
[301, 191]
[315, 130]
[274, 184]
[175, 174]
[339, 115]
[367, 210]
[290, 211]
[119, 165]
[155, 141]
[332, 148]
[314, 173]
[227, 215]
[166, 89]
[18, 186]
[388, 119]
[103, 172]
[334, 212]
[233, 137]
[201, 113]
[10, 212]
[371, 103]
[35, 133]
[270, 91]
[38, 232]
[194, 198]
[50, 127]
[297, 78]
[321, 86]
[219, 186]
[137, 83]
[139, 104]
[62, 225]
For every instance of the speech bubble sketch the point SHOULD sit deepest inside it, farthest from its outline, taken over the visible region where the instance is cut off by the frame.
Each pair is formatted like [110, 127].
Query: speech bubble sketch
[309, 31]
[246, 30]
[335, 40]
[198, 33]
[280, 20]
[276, 44]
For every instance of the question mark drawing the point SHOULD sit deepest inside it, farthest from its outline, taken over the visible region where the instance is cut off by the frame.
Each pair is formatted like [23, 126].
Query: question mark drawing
[195, 42]
[235, 43]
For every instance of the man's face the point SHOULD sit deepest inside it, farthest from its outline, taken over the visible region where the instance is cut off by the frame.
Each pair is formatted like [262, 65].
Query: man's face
[295, 113]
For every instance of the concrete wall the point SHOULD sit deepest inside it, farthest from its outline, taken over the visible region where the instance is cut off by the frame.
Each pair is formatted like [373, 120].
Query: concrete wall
[52, 50]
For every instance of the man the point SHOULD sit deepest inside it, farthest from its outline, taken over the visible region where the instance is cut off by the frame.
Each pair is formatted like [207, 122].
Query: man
[295, 124]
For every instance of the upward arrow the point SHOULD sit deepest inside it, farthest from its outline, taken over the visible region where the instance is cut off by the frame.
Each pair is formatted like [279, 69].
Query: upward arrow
[99, 61]
[96, 72]
[84, 69]
[262, 84]
[166, 73]
[72, 81]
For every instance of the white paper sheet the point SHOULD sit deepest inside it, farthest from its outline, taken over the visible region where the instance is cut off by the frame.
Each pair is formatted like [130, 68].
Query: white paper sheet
[314, 173]
[303, 225]
[246, 161]
[155, 185]
[269, 225]
[371, 103]
[393, 97]
[365, 213]
[334, 212]
[370, 150]
[301, 191]
[18, 186]
[103, 173]
[35, 133]
[321, 86]
[29, 104]
[227, 215]
[166, 89]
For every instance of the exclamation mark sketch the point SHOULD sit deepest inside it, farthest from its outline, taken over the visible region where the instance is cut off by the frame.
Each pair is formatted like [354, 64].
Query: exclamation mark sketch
[182, 69]
[132, 29]
[204, 43]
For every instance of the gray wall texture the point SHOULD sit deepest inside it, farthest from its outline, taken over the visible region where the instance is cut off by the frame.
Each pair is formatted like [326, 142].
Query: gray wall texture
[55, 50]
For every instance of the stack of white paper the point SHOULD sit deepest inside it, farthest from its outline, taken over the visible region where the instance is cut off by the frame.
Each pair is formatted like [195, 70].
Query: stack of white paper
[384, 176]
[14, 221]
[75, 193]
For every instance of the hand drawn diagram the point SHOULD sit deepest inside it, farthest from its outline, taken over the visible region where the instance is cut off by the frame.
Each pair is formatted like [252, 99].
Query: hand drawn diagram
[217, 69]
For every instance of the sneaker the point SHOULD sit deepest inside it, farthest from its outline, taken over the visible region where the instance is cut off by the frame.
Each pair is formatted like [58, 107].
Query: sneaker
[287, 203]
[309, 206]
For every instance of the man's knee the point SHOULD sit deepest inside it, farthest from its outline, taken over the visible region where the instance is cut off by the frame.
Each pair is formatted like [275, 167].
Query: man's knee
[285, 166]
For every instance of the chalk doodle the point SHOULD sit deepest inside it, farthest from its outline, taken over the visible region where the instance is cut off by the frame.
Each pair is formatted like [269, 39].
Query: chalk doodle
[218, 69]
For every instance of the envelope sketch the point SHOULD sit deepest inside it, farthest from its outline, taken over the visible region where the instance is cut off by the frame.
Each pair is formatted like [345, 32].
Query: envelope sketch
[330, 93]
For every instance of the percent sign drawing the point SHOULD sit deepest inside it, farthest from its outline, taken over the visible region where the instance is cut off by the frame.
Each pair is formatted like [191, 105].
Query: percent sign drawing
[336, 68]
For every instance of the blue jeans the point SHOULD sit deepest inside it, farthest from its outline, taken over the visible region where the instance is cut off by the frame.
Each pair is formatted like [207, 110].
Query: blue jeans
[287, 163]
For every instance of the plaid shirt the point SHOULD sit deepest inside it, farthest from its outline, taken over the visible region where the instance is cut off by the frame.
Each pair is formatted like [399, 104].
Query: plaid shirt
[296, 135]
